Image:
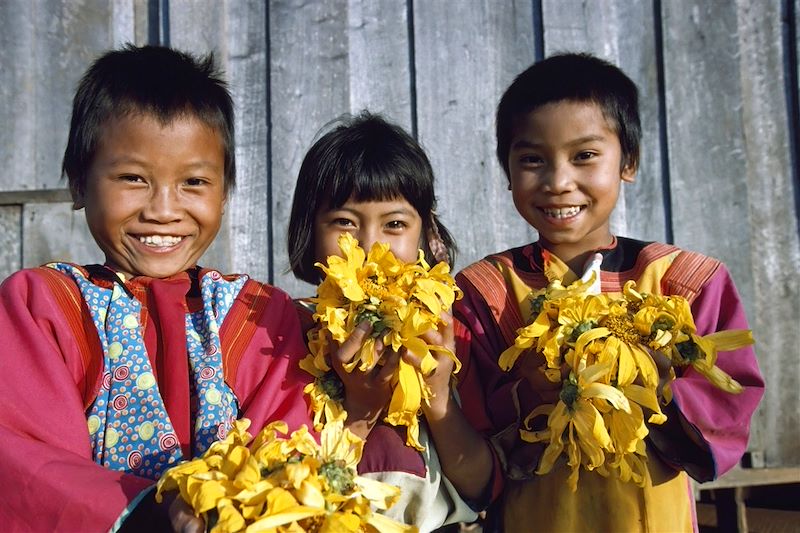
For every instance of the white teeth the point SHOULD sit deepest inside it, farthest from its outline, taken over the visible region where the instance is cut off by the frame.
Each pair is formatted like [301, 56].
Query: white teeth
[159, 240]
[562, 212]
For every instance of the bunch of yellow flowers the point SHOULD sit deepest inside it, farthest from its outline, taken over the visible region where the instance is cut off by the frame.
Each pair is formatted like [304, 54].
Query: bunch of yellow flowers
[402, 301]
[282, 484]
[604, 344]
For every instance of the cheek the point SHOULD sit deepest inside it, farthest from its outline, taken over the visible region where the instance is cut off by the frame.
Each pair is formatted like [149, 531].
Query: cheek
[326, 245]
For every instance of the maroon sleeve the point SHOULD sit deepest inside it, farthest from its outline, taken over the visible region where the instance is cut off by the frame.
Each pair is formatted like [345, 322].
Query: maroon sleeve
[721, 418]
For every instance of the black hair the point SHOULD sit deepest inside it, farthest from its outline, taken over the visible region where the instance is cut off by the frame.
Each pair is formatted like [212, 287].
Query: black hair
[577, 77]
[369, 159]
[153, 80]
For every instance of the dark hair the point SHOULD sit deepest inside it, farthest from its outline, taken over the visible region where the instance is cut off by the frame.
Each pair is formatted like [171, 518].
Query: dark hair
[369, 159]
[573, 77]
[151, 80]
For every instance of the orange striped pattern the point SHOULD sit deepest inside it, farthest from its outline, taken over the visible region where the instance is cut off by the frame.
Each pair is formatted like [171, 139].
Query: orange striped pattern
[240, 325]
[489, 282]
[689, 273]
[69, 299]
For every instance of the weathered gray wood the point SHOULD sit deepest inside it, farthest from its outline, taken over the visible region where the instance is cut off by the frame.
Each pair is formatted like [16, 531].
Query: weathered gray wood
[327, 59]
[44, 48]
[708, 168]
[620, 31]
[55, 232]
[380, 77]
[10, 251]
[309, 80]
[774, 246]
[467, 53]
[34, 196]
[234, 32]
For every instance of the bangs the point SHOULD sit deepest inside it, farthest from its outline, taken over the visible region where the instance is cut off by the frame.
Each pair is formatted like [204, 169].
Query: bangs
[376, 175]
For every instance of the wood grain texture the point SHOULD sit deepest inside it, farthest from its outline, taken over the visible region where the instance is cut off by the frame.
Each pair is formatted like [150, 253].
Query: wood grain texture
[309, 79]
[462, 69]
[10, 242]
[774, 246]
[45, 46]
[708, 167]
[621, 32]
[234, 33]
[55, 232]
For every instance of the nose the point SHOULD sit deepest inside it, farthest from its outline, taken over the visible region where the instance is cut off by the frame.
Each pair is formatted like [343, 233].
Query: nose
[163, 206]
[558, 178]
[366, 236]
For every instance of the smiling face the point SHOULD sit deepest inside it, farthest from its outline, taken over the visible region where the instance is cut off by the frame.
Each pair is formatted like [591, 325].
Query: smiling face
[395, 222]
[155, 193]
[564, 170]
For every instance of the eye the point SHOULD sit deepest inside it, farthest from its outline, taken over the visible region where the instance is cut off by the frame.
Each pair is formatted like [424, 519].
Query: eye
[131, 178]
[585, 155]
[396, 225]
[531, 160]
[343, 222]
[195, 182]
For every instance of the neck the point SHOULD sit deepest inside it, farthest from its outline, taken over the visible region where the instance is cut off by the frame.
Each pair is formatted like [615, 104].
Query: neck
[575, 255]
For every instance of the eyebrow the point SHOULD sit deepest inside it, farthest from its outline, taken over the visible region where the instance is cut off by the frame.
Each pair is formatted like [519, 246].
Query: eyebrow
[399, 211]
[129, 160]
[522, 143]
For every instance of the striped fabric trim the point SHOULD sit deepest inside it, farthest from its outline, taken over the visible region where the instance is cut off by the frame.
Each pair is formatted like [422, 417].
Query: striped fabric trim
[489, 282]
[69, 300]
[688, 274]
[240, 325]
[614, 281]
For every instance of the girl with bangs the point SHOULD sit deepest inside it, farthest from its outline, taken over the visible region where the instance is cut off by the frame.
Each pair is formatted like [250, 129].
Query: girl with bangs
[370, 178]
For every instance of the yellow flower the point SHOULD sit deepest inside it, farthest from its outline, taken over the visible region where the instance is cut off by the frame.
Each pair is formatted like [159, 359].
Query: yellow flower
[284, 483]
[402, 302]
[608, 345]
[577, 415]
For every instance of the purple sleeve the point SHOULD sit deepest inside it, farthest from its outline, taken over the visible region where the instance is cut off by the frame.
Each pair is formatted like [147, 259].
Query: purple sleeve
[722, 419]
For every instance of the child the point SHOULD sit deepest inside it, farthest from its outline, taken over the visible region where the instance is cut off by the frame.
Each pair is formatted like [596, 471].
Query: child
[567, 136]
[112, 373]
[370, 178]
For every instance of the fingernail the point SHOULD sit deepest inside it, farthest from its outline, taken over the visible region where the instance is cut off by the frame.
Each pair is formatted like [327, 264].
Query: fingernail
[364, 326]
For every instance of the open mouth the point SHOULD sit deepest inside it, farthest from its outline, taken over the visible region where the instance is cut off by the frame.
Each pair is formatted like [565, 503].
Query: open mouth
[160, 241]
[562, 212]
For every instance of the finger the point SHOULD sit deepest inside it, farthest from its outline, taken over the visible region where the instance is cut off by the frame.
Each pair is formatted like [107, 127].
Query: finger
[385, 373]
[349, 348]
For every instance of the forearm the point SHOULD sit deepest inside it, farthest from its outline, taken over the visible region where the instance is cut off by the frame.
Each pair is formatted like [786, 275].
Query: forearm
[463, 453]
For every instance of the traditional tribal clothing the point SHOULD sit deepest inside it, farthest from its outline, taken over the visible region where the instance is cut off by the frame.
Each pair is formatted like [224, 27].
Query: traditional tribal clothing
[492, 308]
[112, 381]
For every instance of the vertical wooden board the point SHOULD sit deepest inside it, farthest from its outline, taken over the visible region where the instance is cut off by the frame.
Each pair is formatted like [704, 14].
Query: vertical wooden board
[708, 164]
[775, 249]
[10, 228]
[309, 86]
[620, 32]
[466, 55]
[378, 54]
[55, 232]
[45, 46]
[236, 33]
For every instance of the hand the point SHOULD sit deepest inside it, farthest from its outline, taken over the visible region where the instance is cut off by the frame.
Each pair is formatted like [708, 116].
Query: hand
[367, 392]
[183, 519]
[532, 367]
[439, 380]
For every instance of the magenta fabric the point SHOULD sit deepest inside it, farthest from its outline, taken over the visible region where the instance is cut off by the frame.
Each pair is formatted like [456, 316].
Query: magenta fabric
[49, 481]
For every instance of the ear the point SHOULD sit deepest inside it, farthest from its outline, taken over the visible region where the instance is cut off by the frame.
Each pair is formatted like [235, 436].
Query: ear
[628, 173]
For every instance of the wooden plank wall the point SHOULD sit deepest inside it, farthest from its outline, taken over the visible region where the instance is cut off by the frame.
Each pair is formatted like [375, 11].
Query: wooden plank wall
[719, 91]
